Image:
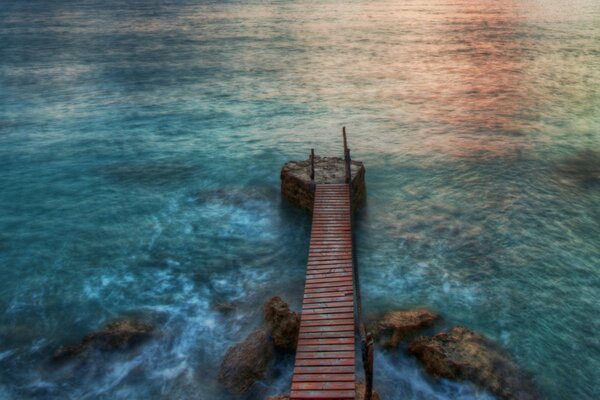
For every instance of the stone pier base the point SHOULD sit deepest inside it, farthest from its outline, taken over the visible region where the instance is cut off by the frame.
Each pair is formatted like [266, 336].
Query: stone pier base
[297, 188]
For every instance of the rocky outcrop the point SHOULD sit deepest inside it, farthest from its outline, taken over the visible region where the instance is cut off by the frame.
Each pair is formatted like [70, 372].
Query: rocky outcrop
[118, 335]
[246, 362]
[462, 354]
[296, 185]
[283, 323]
[397, 325]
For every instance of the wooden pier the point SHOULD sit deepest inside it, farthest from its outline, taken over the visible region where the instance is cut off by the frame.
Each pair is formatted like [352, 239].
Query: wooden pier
[326, 355]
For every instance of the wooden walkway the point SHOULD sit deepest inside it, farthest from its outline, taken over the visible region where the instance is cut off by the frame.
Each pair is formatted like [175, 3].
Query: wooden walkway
[325, 359]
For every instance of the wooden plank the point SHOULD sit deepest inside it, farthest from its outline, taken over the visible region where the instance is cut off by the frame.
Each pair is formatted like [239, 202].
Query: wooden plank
[343, 282]
[323, 385]
[330, 310]
[347, 303]
[324, 378]
[327, 322]
[322, 341]
[324, 370]
[326, 335]
[327, 316]
[325, 362]
[325, 347]
[331, 328]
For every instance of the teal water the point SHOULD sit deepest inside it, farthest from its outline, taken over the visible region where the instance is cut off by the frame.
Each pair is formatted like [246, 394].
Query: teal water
[140, 147]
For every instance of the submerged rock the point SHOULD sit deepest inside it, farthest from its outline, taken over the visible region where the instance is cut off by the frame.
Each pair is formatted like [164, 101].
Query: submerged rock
[582, 168]
[118, 335]
[246, 362]
[462, 354]
[296, 182]
[397, 325]
[283, 323]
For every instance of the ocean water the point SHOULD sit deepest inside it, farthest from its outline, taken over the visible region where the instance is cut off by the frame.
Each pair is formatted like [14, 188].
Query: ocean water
[140, 147]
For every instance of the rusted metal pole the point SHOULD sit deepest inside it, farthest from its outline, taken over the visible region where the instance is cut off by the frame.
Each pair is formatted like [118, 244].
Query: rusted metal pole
[347, 158]
[367, 356]
[312, 165]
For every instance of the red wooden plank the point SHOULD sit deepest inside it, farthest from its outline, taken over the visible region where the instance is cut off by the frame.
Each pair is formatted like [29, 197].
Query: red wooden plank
[323, 385]
[325, 347]
[322, 341]
[327, 323]
[331, 328]
[326, 335]
[324, 370]
[337, 293]
[320, 395]
[325, 355]
[325, 362]
[327, 316]
[345, 282]
[331, 299]
[330, 310]
[333, 275]
[328, 306]
[324, 378]
[325, 290]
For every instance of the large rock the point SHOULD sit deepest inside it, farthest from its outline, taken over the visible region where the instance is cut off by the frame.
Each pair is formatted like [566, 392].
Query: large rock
[283, 323]
[246, 362]
[397, 325]
[297, 187]
[462, 354]
[119, 335]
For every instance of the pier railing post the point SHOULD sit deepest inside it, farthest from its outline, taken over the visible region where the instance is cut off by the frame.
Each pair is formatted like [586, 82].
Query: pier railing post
[366, 339]
[312, 165]
[347, 159]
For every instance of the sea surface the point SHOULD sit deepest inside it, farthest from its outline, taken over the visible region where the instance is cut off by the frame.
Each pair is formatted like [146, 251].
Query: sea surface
[140, 149]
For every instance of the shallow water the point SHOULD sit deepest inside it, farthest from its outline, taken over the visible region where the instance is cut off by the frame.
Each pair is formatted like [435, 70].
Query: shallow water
[140, 147]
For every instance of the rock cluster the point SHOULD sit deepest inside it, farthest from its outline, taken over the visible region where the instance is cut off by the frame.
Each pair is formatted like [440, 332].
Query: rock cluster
[296, 185]
[247, 362]
[462, 354]
[118, 335]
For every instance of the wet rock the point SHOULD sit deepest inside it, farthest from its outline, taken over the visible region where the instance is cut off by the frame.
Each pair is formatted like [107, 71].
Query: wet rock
[461, 354]
[283, 323]
[225, 307]
[582, 168]
[246, 362]
[296, 183]
[118, 335]
[397, 325]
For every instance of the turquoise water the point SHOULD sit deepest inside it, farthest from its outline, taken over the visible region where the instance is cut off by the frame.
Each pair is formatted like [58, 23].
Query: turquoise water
[140, 147]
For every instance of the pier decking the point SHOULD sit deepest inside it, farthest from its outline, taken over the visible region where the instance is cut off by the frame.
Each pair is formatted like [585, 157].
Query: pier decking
[325, 359]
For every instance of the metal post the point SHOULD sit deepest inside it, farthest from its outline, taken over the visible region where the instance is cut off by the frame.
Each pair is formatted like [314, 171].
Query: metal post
[312, 165]
[347, 159]
[367, 356]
